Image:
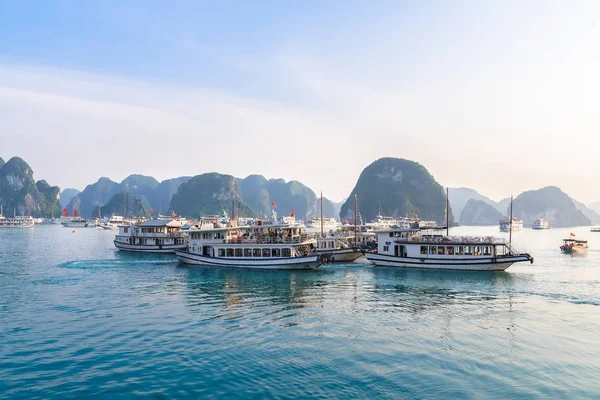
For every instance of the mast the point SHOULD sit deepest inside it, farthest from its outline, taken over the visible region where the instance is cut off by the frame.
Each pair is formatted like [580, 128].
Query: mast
[355, 218]
[510, 221]
[232, 208]
[321, 213]
[447, 214]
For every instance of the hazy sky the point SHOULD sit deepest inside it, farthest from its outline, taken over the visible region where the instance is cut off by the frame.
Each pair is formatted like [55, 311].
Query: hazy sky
[500, 96]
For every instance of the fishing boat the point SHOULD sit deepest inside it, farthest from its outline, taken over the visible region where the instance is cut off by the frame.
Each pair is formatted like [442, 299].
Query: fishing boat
[540, 223]
[429, 249]
[261, 246]
[16, 221]
[574, 246]
[152, 236]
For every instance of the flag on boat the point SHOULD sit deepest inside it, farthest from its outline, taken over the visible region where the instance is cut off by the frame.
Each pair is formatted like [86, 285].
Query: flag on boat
[292, 214]
[234, 216]
[572, 234]
[273, 204]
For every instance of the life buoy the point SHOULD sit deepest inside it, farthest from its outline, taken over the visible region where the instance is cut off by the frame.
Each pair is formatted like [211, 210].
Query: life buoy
[422, 260]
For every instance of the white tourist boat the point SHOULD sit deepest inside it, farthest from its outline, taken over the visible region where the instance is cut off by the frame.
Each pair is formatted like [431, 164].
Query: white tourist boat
[151, 236]
[506, 225]
[416, 248]
[540, 223]
[74, 222]
[338, 246]
[274, 246]
[327, 223]
[16, 221]
[113, 222]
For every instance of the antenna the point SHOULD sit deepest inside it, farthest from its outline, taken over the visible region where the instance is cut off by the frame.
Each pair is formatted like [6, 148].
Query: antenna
[447, 214]
[510, 221]
[355, 217]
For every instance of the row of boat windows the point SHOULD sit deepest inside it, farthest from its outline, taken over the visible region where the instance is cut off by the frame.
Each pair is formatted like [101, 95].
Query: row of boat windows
[326, 245]
[208, 236]
[457, 250]
[255, 252]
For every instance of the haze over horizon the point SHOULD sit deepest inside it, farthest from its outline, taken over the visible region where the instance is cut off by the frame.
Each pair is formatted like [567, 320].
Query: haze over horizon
[498, 97]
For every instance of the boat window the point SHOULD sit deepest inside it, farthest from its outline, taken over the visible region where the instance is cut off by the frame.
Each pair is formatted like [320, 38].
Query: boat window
[386, 248]
[125, 229]
[391, 234]
[255, 252]
[423, 249]
[286, 252]
[239, 252]
[276, 252]
[477, 251]
[432, 250]
[441, 250]
[450, 250]
[266, 252]
[247, 252]
[487, 251]
[460, 250]
[468, 251]
[229, 252]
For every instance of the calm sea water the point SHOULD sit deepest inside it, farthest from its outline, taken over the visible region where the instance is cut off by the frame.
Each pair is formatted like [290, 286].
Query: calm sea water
[78, 319]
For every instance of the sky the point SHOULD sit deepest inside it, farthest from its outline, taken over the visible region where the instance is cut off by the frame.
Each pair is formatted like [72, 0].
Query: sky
[501, 97]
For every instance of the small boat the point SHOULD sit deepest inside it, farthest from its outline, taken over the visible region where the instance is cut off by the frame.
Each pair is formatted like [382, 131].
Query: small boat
[595, 229]
[574, 246]
[540, 223]
[152, 236]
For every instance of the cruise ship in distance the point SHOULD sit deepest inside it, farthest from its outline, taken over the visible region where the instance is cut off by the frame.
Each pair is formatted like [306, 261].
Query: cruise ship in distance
[505, 225]
[540, 223]
[16, 221]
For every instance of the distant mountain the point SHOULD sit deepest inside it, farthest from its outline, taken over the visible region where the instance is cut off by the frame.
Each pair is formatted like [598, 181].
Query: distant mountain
[399, 188]
[550, 203]
[460, 196]
[158, 195]
[21, 194]
[595, 207]
[479, 212]
[591, 214]
[259, 193]
[124, 204]
[209, 194]
[66, 196]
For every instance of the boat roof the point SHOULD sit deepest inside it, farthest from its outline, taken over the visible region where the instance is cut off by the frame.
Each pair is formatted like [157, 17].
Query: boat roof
[159, 223]
[575, 240]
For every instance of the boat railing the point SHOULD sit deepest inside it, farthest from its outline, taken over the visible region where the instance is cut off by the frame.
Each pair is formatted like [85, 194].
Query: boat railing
[270, 240]
[473, 240]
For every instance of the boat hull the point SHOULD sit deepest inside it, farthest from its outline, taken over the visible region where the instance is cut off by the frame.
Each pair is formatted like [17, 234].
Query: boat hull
[340, 255]
[307, 262]
[164, 249]
[479, 264]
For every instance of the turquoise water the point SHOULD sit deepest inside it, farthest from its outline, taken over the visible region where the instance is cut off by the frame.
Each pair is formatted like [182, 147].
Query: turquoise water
[80, 320]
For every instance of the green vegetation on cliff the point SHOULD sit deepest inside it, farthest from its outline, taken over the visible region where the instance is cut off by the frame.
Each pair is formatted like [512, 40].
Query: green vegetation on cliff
[398, 188]
[550, 203]
[125, 204]
[209, 194]
[21, 194]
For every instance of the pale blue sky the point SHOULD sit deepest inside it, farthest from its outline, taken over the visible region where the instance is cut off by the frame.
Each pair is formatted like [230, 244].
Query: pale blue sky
[498, 96]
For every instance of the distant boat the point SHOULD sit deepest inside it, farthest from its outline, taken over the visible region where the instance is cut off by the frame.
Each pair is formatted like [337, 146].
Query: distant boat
[16, 221]
[152, 236]
[540, 223]
[506, 225]
[595, 229]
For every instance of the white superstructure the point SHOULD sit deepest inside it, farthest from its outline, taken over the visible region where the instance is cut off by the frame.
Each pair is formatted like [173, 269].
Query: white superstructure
[505, 225]
[74, 222]
[328, 223]
[540, 223]
[16, 222]
[414, 248]
[152, 236]
[274, 246]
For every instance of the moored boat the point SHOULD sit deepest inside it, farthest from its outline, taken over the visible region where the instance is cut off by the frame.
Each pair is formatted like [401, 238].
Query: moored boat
[16, 222]
[412, 248]
[510, 224]
[74, 222]
[274, 246]
[151, 236]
